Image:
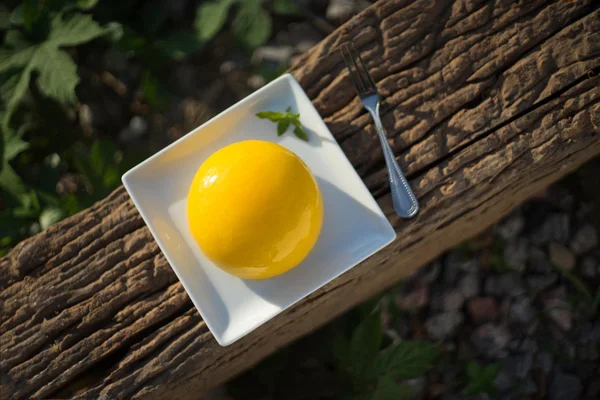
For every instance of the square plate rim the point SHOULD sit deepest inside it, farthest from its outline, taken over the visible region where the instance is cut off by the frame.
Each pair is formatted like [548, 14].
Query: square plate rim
[127, 176]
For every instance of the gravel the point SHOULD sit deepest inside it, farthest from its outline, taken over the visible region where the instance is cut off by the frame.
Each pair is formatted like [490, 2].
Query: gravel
[511, 227]
[562, 256]
[490, 339]
[453, 300]
[540, 282]
[564, 386]
[482, 309]
[584, 240]
[515, 254]
[556, 228]
[443, 325]
[469, 285]
[413, 300]
[509, 283]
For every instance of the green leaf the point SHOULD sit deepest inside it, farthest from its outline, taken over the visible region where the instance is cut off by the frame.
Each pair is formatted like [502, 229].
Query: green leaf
[210, 18]
[285, 7]
[407, 360]
[271, 115]
[13, 145]
[472, 370]
[51, 216]
[152, 16]
[101, 154]
[282, 126]
[58, 75]
[57, 72]
[155, 93]
[481, 379]
[299, 130]
[4, 18]
[74, 29]
[27, 14]
[17, 59]
[252, 25]
[389, 389]
[11, 182]
[86, 4]
[365, 344]
[180, 45]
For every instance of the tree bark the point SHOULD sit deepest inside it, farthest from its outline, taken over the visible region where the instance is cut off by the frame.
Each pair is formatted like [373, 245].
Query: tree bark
[485, 102]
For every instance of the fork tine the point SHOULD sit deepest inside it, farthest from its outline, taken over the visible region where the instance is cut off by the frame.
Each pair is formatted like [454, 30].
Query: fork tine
[365, 72]
[347, 55]
[358, 72]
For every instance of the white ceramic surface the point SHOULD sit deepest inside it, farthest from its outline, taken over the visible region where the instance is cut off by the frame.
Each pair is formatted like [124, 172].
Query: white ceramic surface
[353, 227]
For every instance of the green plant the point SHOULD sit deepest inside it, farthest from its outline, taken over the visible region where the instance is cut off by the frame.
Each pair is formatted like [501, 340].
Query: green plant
[251, 25]
[37, 48]
[480, 379]
[153, 43]
[37, 77]
[376, 373]
[283, 121]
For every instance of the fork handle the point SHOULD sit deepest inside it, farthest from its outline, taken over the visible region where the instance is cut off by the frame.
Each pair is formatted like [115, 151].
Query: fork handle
[405, 202]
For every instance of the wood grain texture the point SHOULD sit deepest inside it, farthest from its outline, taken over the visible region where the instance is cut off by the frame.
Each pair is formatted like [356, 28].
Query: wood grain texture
[485, 102]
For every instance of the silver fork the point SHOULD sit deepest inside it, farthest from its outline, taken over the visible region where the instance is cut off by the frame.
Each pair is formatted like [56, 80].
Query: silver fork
[405, 202]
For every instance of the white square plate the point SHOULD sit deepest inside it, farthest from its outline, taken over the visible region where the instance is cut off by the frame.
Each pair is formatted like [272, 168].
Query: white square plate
[353, 226]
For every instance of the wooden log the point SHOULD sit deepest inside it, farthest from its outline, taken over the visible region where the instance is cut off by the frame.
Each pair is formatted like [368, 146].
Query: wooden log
[486, 103]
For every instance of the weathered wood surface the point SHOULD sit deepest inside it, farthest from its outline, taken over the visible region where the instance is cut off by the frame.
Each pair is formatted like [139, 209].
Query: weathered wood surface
[90, 306]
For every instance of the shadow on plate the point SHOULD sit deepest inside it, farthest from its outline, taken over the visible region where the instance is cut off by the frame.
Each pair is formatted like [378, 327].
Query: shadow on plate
[346, 239]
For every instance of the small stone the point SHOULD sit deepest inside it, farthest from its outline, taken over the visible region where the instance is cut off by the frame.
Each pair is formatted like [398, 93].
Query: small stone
[561, 256]
[482, 309]
[490, 340]
[469, 285]
[589, 267]
[521, 311]
[565, 386]
[509, 283]
[515, 254]
[276, 55]
[528, 387]
[538, 261]
[544, 361]
[428, 274]
[526, 345]
[540, 282]
[227, 67]
[256, 82]
[592, 334]
[453, 300]
[465, 350]
[584, 240]
[443, 325]
[555, 228]
[456, 261]
[136, 129]
[560, 312]
[504, 381]
[341, 10]
[417, 385]
[511, 227]
[518, 365]
[414, 300]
